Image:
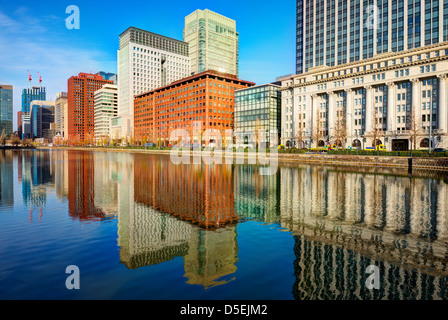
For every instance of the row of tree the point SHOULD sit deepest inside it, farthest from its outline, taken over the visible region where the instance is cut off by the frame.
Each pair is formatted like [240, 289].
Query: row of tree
[340, 132]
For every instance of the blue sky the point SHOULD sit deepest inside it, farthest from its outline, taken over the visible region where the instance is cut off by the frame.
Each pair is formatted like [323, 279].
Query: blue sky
[33, 37]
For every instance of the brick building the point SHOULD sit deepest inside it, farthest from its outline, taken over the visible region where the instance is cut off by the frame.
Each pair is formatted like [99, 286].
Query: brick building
[81, 88]
[206, 97]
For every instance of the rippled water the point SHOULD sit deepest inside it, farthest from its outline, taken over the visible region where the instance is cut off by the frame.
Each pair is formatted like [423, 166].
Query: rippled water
[139, 227]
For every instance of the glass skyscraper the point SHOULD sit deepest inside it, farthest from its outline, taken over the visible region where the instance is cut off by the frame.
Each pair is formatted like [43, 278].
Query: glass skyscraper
[6, 109]
[214, 42]
[334, 32]
[28, 95]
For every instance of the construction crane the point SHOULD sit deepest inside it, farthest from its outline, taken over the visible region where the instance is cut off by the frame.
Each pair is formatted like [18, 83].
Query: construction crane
[40, 80]
[29, 78]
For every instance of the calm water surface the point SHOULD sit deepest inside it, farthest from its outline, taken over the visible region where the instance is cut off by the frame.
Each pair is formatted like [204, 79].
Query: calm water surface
[139, 227]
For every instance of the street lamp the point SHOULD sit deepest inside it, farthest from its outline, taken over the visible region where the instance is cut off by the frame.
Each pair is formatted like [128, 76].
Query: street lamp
[433, 93]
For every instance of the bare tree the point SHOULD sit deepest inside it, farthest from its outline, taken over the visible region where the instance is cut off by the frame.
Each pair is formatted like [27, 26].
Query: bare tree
[316, 133]
[340, 128]
[3, 138]
[414, 126]
[300, 135]
[14, 140]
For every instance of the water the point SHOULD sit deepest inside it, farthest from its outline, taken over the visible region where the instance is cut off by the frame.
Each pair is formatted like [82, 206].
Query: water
[139, 227]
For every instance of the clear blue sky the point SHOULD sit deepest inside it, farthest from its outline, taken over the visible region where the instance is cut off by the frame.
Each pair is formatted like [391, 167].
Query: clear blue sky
[33, 37]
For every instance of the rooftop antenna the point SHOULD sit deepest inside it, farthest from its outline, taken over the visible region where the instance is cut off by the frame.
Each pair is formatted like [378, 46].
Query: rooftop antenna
[29, 78]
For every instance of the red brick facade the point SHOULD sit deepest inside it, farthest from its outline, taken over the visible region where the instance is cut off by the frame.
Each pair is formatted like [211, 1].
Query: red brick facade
[207, 97]
[81, 105]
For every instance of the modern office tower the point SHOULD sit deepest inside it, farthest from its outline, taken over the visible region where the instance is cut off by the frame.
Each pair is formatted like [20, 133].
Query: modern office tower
[81, 88]
[28, 95]
[394, 98]
[205, 98]
[146, 61]
[214, 42]
[61, 114]
[258, 108]
[42, 119]
[335, 32]
[106, 104]
[6, 95]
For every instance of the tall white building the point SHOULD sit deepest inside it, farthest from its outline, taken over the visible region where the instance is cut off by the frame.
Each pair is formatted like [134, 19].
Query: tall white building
[390, 98]
[214, 42]
[106, 104]
[61, 114]
[146, 61]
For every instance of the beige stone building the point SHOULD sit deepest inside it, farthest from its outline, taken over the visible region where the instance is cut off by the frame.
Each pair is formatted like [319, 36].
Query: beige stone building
[389, 98]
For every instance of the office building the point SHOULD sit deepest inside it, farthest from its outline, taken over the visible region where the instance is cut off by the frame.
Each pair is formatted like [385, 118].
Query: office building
[61, 114]
[28, 95]
[42, 119]
[398, 99]
[214, 42]
[31, 94]
[81, 89]
[106, 104]
[258, 108]
[336, 32]
[6, 106]
[205, 98]
[146, 61]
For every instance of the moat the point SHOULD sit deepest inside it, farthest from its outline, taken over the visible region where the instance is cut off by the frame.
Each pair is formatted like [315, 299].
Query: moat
[139, 227]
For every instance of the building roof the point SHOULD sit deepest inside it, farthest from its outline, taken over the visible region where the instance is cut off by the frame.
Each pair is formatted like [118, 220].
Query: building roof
[195, 76]
[153, 34]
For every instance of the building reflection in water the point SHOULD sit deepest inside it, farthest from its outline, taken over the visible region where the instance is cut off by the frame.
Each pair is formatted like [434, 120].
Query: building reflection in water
[200, 194]
[257, 197]
[6, 179]
[81, 187]
[37, 174]
[343, 222]
[181, 211]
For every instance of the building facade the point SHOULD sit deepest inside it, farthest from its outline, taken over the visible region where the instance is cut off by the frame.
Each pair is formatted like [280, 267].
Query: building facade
[61, 114]
[214, 42]
[258, 108]
[206, 98]
[6, 106]
[336, 32]
[106, 105]
[398, 99]
[42, 119]
[28, 95]
[81, 89]
[146, 61]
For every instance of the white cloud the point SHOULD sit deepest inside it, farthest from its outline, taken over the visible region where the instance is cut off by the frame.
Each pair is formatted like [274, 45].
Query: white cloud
[30, 43]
